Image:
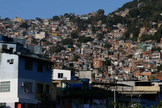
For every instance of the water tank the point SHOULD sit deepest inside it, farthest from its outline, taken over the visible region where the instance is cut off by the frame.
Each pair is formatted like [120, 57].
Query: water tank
[85, 83]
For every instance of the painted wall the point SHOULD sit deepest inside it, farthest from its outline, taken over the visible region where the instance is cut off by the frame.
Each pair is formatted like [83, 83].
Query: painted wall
[11, 96]
[45, 76]
[66, 73]
[52, 90]
[7, 70]
[58, 87]
[85, 74]
[23, 96]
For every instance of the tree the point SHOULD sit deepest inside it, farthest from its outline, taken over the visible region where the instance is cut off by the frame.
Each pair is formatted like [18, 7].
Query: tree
[101, 11]
[159, 68]
[107, 62]
[76, 57]
[107, 45]
[66, 15]
[7, 19]
[134, 13]
[156, 49]
[39, 19]
[67, 41]
[55, 18]
[100, 36]
[24, 25]
[74, 35]
[130, 56]
[152, 77]
[145, 37]
[56, 49]
[83, 39]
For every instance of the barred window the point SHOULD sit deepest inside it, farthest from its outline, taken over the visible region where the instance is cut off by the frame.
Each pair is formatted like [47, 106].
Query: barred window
[60, 75]
[28, 64]
[5, 86]
[28, 87]
[39, 88]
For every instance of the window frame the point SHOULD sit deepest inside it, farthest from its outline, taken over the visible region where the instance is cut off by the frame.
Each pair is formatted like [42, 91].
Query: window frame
[4, 87]
[60, 75]
[28, 87]
[28, 64]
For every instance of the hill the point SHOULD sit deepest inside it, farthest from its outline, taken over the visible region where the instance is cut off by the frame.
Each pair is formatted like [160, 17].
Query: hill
[138, 14]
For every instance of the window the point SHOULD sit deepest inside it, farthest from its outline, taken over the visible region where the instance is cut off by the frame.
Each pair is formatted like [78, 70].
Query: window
[2, 105]
[4, 47]
[39, 66]
[10, 61]
[47, 89]
[60, 75]
[28, 87]
[28, 64]
[11, 49]
[5, 86]
[39, 88]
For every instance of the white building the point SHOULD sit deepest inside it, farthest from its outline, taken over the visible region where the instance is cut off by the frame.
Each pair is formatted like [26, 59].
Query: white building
[59, 74]
[41, 35]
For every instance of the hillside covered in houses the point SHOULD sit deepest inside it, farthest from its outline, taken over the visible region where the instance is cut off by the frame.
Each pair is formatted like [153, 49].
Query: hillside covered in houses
[123, 45]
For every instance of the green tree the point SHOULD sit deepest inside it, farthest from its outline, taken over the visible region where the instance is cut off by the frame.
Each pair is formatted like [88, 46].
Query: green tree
[66, 15]
[83, 39]
[107, 45]
[107, 62]
[145, 37]
[56, 49]
[67, 41]
[155, 49]
[130, 56]
[39, 19]
[134, 13]
[74, 34]
[159, 68]
[24, 25]
[76, 57]
[7, 19]
[55, 18]
[100, 36]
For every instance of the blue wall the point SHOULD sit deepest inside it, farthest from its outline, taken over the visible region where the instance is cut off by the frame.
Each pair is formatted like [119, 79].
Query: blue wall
[45, 76]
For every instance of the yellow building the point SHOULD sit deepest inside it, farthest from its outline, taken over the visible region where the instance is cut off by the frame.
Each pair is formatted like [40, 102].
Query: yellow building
[127, 44]
[18, 19]
[68, 49]
[70, 58]
[54, 34]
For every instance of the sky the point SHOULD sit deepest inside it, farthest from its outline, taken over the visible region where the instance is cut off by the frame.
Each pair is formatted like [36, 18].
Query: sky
[30, 9]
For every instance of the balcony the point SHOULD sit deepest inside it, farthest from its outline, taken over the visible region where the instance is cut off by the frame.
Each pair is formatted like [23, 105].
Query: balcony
[147, 88]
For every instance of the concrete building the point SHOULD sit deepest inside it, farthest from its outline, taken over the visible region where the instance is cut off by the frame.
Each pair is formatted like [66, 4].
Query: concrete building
[85, 74]
[59, 74]
[24, 78]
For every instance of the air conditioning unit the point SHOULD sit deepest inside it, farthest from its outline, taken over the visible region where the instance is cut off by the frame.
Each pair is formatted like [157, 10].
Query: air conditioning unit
[64, 78]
